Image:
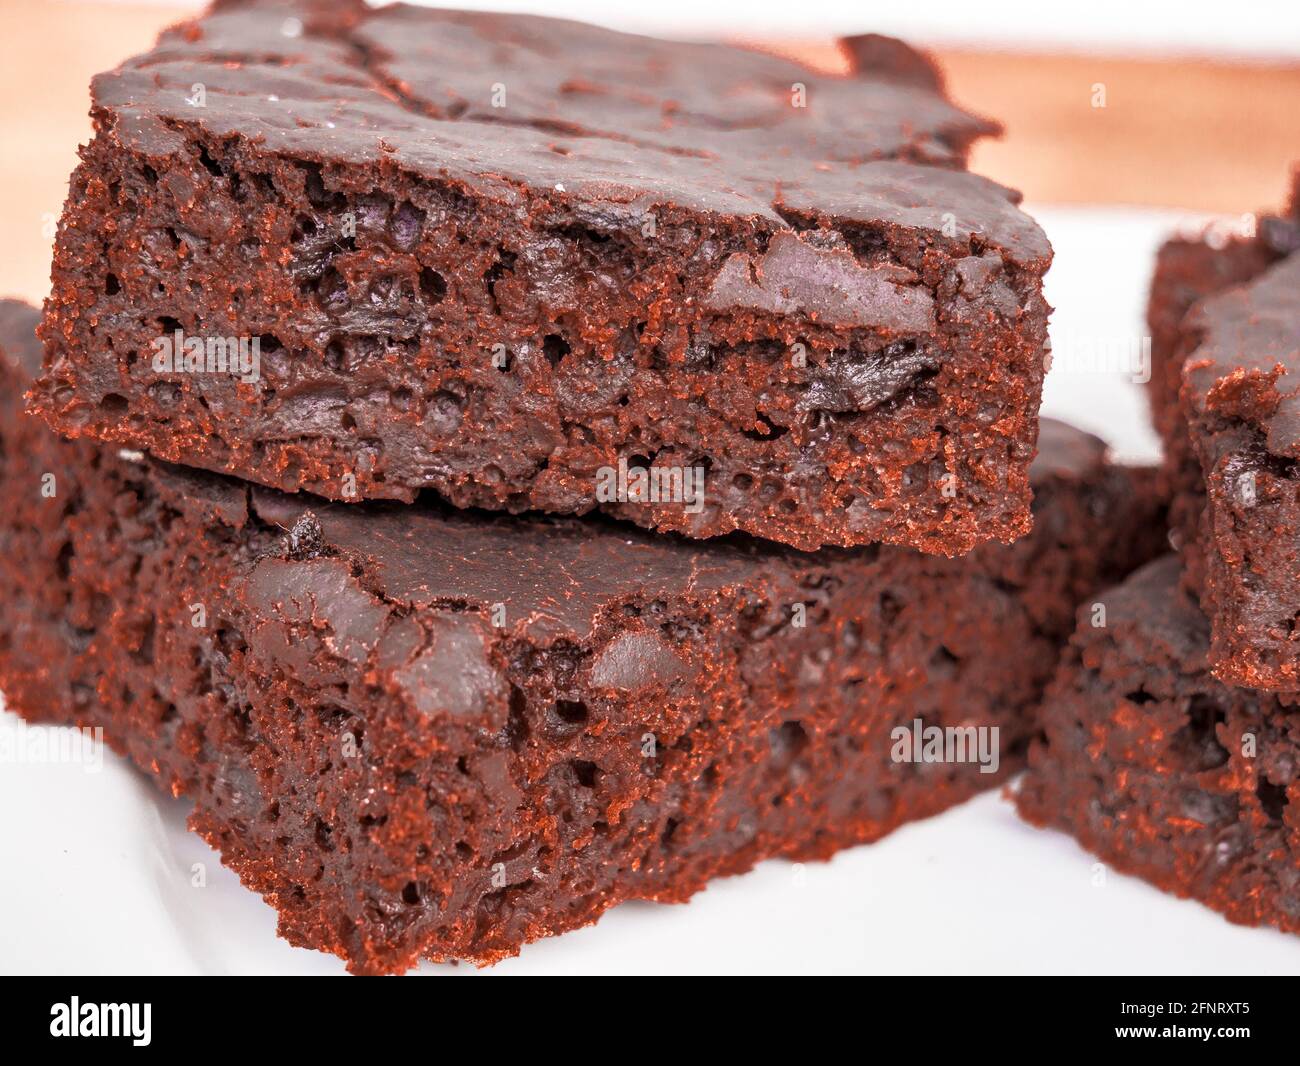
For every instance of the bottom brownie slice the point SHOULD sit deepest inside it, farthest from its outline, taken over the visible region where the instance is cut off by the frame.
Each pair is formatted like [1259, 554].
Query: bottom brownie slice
[1163, 771]
[428, 734]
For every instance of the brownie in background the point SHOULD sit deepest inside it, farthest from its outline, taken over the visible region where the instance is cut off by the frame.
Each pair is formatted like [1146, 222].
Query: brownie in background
[1164, 771]
[1225, 395]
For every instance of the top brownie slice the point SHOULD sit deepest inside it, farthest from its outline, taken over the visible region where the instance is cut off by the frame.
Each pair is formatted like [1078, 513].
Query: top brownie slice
[532, 264]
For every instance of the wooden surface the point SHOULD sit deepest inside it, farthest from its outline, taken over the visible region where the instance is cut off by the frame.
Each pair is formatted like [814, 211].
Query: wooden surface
[1215, 137]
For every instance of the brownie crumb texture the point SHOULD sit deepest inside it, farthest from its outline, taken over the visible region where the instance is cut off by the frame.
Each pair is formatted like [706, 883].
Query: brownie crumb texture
[1225, 318]
[1162, 770]
[421, 733]
[528, 264]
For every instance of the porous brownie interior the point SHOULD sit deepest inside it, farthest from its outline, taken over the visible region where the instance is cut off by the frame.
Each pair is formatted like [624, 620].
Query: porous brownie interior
[385, 828]
[1219, 317]
[497, 307]
[405, 772]
[1162, 770]
[1187, 271]
[1244, 418]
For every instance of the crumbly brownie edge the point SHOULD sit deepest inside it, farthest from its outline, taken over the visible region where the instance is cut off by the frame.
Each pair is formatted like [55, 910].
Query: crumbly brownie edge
[1188, 270]
[1239, 396]
[1233, 511]
[523, 749]
[1161, 770]
[849, 423]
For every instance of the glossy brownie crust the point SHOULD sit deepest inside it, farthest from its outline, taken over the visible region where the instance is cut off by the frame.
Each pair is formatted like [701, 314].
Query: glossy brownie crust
[1163, 771]
[648, 253]
[1226, 397]
[402, 777]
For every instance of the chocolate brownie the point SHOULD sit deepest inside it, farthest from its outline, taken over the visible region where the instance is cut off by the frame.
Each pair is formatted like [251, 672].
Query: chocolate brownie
[423, 733]
[1225, 324]
[510, 260]
[1163, 771]
[1187, 271]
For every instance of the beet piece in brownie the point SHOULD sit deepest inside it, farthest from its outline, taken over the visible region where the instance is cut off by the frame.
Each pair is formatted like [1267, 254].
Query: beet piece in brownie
[422, 733]
[650, 253]
[1163, 771]
[1225, 325]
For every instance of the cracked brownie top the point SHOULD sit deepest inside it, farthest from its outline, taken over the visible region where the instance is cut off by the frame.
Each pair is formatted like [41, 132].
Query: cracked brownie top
[612, 119]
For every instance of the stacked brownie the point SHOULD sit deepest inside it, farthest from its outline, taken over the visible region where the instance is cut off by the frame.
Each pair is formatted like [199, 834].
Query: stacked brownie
[1173, 732]
[423, 733]
[374, 337]
[494, 257]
